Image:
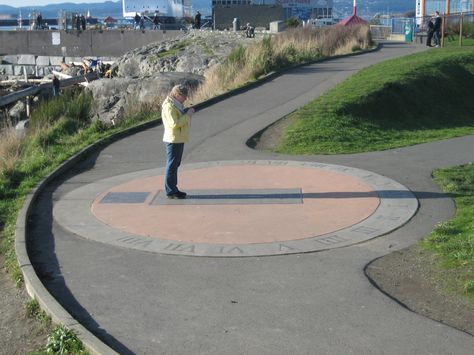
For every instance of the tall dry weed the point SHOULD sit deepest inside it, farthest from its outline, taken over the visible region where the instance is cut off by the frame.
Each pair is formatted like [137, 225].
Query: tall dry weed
[294, 46]
[10, 150]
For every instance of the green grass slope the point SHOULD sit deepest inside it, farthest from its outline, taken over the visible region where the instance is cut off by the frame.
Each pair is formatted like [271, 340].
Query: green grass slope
[453, 241]
[410, 100]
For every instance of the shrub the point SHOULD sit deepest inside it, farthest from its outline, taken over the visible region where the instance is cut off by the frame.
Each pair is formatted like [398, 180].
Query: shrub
[292, 22]
[64, 341]
[469, 286]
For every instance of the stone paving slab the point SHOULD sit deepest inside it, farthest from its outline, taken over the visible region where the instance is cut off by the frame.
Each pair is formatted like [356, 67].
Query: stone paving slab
[233, 197]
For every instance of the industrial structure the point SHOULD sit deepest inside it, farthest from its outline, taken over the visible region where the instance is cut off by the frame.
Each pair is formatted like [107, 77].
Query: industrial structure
[301, 9]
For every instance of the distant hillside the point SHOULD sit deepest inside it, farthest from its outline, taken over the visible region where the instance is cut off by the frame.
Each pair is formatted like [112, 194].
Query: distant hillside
[99, 10]
[5, 9]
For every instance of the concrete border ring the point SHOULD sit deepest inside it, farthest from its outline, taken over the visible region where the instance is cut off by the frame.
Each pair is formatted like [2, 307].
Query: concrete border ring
[397, 206]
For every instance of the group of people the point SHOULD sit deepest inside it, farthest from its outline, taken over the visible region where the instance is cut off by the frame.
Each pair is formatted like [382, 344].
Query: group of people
[139, 21]
[249, 30]
[79, 22]
[434, 30]
[104, 70]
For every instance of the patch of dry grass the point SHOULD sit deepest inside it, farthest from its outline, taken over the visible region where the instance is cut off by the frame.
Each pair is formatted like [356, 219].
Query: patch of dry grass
[10, 150]
[292, 47]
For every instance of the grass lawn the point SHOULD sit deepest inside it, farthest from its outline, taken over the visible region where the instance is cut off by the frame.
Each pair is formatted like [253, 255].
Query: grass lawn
[453, 241]
[59, 128]
[454, 41]
[405, 101]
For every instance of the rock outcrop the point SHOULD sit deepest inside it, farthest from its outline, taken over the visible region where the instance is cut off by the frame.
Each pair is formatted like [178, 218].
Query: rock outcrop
[116, 97]
[145, 75]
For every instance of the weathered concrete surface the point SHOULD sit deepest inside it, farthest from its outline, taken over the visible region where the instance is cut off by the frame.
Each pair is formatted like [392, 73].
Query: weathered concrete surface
[87, 43]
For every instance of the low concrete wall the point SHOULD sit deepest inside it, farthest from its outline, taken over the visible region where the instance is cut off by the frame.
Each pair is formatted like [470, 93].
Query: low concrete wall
[112, 43]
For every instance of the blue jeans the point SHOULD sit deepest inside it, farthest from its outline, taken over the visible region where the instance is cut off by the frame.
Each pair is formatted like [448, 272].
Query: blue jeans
[174, 153]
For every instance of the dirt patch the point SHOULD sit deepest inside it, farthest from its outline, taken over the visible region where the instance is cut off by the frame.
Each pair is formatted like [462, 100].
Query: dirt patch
[18, 334]
[413, 278]
[270, 137]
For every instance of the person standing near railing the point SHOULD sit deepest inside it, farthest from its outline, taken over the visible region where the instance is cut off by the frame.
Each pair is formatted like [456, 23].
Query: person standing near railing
[437, 29]
[429, 32]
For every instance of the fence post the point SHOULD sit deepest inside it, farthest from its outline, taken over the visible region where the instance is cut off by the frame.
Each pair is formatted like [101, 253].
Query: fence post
[27, 98]
[443, 26]
[461, 23]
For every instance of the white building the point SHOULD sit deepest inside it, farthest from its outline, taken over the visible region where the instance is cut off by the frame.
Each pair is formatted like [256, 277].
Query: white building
[173, 8]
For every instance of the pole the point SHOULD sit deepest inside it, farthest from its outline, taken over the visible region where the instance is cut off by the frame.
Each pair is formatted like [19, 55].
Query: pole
[27, 98]
[461, 23]
[443, 26]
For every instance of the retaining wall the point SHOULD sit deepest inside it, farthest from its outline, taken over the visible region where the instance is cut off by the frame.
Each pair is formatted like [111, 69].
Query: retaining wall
[94, 43]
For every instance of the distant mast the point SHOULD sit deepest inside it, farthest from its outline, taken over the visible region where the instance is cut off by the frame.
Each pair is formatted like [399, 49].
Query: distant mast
[354, 10]
[88, 14]
[20, 21]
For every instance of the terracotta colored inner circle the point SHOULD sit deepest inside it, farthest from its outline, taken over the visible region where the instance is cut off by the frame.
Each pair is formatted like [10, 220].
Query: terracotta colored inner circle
[337, 201]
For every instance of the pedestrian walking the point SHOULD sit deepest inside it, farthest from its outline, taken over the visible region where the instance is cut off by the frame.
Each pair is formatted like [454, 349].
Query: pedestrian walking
[156, 22]
[197, 20]
[56, 85]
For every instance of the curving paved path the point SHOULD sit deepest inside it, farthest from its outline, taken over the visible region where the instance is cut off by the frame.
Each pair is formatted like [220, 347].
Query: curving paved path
[314, 303]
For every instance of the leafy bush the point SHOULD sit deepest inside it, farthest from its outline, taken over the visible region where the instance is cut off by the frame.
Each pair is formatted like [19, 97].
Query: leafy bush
[64, 341]
[291, 22]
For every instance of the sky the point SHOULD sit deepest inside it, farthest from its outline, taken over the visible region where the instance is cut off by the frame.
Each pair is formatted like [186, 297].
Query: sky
[22, 3]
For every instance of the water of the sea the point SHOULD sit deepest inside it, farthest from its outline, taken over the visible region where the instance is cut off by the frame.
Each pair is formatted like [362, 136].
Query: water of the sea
[12, 28]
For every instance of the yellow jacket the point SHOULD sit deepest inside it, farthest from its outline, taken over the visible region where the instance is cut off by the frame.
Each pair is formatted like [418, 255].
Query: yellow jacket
[175, 122]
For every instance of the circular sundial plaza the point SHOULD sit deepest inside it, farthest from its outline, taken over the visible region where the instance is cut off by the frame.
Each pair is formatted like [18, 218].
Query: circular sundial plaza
[239, 209]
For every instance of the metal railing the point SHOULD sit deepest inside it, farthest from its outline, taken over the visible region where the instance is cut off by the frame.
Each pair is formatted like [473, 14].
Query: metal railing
[456, 28]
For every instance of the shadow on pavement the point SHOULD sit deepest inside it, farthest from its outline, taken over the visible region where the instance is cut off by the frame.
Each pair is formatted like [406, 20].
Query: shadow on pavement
[41, 249]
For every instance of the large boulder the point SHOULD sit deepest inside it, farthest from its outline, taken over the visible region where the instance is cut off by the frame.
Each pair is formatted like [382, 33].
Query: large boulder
[193, 52]
[117, 97]
[145, 75]
[18, 111]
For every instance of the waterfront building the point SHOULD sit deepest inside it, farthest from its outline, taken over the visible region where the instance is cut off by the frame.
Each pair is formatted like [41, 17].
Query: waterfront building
[301, 9]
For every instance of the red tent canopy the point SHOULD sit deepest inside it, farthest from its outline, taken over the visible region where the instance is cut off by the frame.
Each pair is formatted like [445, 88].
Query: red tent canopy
[352, 20]
[110, 20]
